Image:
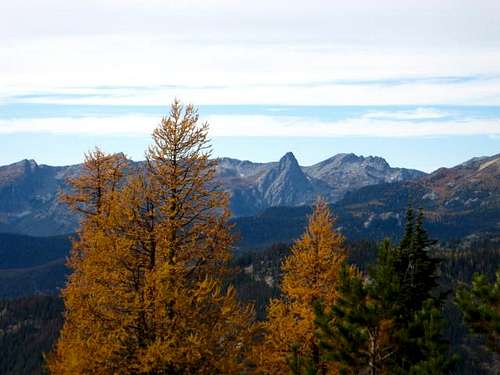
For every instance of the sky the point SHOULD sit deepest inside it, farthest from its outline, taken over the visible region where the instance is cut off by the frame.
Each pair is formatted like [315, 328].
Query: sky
[416, 82]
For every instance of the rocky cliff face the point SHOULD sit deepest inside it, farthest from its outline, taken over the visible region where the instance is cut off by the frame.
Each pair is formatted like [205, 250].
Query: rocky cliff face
[255, 186]
[286, 184]
[29, 204]
[459, 202]
[474, 184]
[29, 199]
[462, 200]
[347, 172]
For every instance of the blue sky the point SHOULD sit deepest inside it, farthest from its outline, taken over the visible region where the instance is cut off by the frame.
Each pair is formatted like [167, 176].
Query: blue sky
[415, 82]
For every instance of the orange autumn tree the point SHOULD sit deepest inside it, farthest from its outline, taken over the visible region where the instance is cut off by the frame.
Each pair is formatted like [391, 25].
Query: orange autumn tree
[146, 295]
[310, 274]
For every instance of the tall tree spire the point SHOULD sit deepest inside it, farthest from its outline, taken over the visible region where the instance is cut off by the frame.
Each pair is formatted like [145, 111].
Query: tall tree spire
[310, 273]
[146, 293]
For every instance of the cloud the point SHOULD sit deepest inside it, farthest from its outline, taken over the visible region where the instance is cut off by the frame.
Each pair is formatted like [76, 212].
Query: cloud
[359, 21]
[255, 88]
[121, 125]
[415, 114]
[265, 126]
[361, 126]
[262, 52]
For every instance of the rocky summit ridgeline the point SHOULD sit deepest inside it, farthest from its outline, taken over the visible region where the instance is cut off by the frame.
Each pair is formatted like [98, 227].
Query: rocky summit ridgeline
[458, 202]
[255, 186]
[29, 204]
[367, 189]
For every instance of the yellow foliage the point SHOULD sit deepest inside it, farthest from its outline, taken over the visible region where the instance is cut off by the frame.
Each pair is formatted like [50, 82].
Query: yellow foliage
[310, 273]
[146, 294]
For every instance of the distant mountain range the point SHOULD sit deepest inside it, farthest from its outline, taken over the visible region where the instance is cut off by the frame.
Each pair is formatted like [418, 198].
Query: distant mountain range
[256, 186]
[462, 202]
[29, 203]
[458, 202]
[368, 196]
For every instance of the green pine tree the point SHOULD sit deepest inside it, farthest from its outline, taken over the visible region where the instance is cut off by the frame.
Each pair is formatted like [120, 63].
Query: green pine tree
[417, 273]
[422, 275]
[386, 282]
[407, 238]
[300, 364]
[356, 332]
[480, 304]
[415, 268]
[389, 322]
[425, 335]
[296, 361]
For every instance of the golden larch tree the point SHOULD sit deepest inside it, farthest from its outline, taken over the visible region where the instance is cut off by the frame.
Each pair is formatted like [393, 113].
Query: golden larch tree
[310, 274]
[147, 294]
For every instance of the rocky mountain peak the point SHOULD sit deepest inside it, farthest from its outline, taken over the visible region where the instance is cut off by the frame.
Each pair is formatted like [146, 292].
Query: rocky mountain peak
[285, 183]
[347, 158]
[338, 160]
[288, 161]
[493, 163]
[343, 160]
[345, 172]
[26, 164]
[11, 172]
[376, 162]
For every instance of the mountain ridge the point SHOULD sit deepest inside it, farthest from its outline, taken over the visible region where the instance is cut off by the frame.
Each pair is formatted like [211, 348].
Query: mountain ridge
[460, 202]
[29, 204]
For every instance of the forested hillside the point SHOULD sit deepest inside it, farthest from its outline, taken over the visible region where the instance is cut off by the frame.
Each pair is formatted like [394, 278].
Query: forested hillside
[256, 276]
[28, 329]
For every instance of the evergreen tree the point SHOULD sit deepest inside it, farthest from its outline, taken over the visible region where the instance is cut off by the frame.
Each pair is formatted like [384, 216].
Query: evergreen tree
[310, 274]
[303, 364]
[416, 272]
[295, 361]
[425, 333]
[356, 332]
[383, 324]
[415, 268]
[386, 283]
[480, 305]
[422, 272]
[146, 295]
[407, 238]
[418, 280]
